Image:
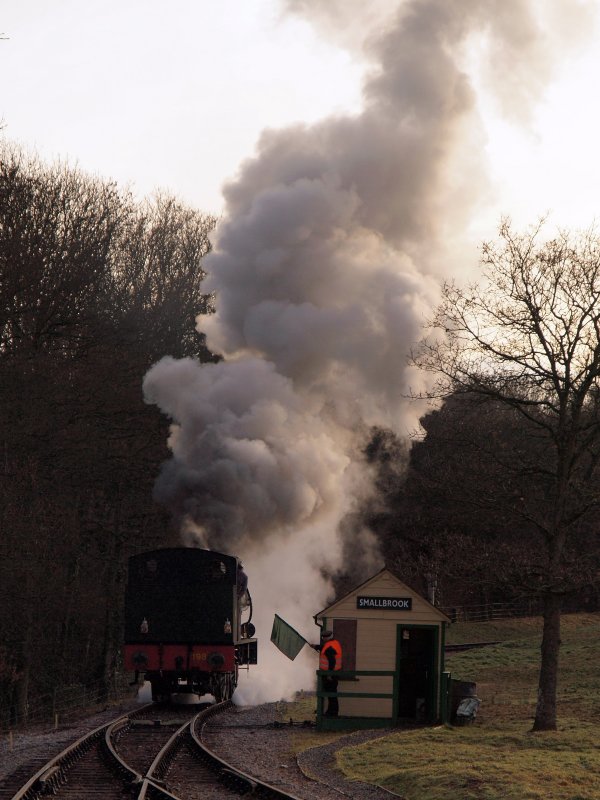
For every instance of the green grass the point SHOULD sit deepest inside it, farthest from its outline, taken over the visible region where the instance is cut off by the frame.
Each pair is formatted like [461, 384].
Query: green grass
[497, 757]
[481, 761]
[506, 674]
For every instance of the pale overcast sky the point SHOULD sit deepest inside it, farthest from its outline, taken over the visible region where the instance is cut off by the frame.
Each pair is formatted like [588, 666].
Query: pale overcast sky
[157, 93]
[174, 95]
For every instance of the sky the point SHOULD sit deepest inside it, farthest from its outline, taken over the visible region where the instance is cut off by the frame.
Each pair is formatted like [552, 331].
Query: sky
[357, 154]
[175, 95]
[163, 94]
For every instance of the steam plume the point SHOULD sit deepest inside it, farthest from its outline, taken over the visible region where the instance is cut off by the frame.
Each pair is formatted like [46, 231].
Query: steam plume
[324, 267]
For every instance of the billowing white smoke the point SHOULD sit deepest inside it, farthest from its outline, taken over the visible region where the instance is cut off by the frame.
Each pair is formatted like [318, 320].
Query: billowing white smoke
[324, 268]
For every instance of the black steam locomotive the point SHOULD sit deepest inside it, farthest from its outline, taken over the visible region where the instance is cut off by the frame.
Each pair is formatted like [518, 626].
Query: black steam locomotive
[188, 622]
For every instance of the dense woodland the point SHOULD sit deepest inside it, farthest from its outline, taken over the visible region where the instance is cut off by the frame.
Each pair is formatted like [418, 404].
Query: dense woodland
[95, 287]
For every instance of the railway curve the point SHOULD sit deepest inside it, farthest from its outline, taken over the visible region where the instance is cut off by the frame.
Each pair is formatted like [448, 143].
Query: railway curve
[150, 752]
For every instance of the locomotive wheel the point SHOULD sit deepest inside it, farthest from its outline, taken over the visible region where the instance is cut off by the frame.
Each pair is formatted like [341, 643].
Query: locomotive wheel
[222, 686]
[217, 686]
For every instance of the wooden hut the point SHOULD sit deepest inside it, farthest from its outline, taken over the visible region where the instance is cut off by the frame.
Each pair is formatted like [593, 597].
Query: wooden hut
[393, 656]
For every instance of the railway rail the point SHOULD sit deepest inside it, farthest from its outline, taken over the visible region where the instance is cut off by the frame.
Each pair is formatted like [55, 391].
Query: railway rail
[152, 752]
[459, 648]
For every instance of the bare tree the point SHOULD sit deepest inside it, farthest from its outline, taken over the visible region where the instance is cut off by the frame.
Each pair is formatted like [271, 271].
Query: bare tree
[158, 275]
[528, 339]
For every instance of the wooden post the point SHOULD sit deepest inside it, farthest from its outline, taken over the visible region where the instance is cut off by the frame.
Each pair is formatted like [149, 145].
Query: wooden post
[319, 700]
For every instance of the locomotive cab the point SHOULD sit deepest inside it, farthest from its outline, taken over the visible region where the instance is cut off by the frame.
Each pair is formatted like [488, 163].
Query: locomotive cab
[187, 623]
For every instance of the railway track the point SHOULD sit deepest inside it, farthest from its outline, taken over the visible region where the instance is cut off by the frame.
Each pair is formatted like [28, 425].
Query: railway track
[152, 752]
[459, 648]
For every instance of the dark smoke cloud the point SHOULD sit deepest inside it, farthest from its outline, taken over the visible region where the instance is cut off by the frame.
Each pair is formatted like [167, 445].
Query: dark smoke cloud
[325, 266]
[249, 457]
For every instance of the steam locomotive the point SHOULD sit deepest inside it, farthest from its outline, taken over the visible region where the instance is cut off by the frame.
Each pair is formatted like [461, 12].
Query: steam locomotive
[188, 625]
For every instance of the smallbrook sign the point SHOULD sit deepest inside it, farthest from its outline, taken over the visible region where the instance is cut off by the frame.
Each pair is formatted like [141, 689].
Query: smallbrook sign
[385, 603]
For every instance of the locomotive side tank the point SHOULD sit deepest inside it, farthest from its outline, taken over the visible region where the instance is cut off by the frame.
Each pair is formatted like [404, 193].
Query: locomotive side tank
[184, 630]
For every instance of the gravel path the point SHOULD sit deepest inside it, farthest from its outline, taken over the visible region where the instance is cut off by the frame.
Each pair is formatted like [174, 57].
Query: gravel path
[268, 753]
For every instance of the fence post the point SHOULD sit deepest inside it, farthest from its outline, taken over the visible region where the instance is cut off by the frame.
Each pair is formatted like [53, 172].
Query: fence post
[319, 699]
[445, 697]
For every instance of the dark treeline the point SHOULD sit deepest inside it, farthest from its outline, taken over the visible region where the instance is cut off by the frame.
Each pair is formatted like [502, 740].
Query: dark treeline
[94, 288]
[465, 506]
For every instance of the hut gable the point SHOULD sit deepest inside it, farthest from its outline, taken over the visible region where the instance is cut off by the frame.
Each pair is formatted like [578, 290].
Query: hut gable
[379, 595]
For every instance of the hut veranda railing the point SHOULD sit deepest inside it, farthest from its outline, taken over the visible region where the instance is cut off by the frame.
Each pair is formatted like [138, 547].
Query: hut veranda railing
[353, 675]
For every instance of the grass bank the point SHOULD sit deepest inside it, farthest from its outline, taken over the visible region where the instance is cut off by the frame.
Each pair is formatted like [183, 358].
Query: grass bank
[497, 757]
